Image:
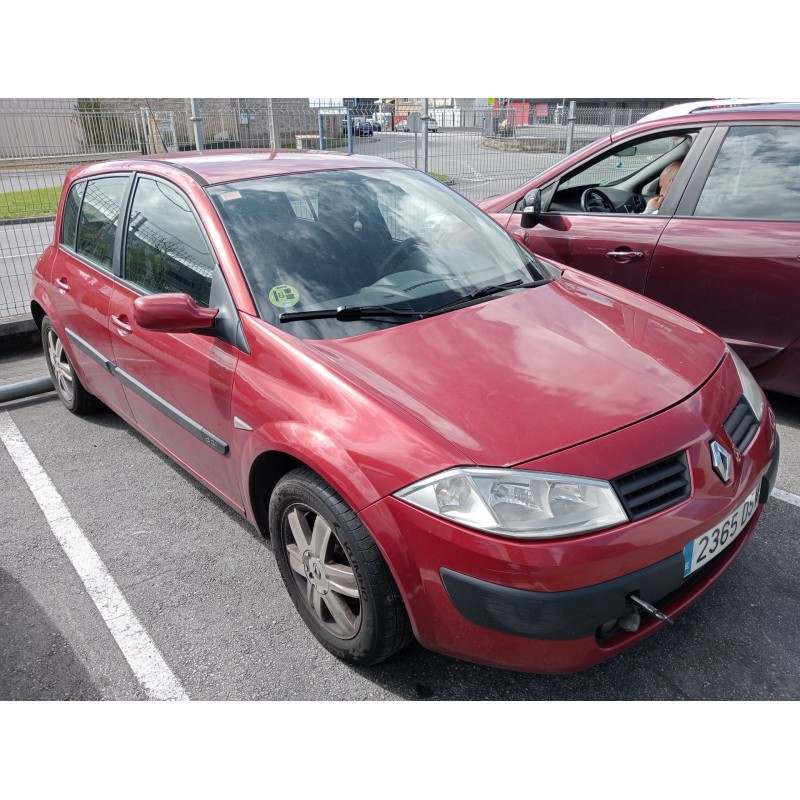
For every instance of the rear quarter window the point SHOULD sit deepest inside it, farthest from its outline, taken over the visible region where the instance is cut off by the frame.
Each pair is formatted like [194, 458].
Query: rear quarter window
[72, 207]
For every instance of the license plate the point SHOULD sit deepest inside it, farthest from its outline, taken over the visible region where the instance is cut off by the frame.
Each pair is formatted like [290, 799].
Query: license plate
[698, 553]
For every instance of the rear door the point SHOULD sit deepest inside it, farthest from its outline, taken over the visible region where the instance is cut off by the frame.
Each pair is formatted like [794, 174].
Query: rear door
[178, 385]
[84, 280]
[730, 256]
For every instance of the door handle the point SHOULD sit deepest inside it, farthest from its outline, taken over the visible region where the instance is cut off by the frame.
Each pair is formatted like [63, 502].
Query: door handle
[622, 255]
[62, 284]
[122, 323]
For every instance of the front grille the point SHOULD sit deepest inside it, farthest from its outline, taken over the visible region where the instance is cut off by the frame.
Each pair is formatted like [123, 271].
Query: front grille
[655, 487]
[741, 425]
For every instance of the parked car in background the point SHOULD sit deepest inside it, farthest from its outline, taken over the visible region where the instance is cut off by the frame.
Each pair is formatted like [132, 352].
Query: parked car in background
[361, 126]
[724, 247]
[403, 127]
[376, 126]
[445, 437]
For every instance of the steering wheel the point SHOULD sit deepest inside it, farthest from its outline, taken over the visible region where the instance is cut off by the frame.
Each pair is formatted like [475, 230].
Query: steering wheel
[396, 255]
[593, 199]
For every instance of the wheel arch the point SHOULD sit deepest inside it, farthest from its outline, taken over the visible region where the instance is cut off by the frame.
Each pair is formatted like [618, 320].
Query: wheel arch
[348, 467]
[38, 313]
[265, 472]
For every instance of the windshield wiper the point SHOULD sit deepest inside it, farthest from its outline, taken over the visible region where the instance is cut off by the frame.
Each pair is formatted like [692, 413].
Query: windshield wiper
[351, 313]
[485, 291]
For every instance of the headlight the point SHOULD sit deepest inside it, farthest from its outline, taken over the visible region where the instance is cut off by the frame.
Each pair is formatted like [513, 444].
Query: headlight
[523, 505]
[751, 389]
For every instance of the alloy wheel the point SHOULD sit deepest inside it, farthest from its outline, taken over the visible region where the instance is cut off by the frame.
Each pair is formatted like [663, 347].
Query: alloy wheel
[62, 369]
[323, 572]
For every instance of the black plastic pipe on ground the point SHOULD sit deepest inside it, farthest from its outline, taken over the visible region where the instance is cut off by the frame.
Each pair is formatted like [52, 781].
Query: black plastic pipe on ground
[14, 391]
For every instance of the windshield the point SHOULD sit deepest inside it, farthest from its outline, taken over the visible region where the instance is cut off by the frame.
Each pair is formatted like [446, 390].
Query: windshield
[394, 238]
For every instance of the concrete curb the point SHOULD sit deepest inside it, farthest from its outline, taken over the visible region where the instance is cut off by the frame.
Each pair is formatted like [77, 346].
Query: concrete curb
[26, 220]
[17, 334]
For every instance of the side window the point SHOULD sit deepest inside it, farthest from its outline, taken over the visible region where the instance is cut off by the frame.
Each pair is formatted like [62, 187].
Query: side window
[165, 249]
[99, 216]
[623, 162]
[72, 207]
[756, 175]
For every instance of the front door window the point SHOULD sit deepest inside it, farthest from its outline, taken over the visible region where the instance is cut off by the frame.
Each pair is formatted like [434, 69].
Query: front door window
[165, 249]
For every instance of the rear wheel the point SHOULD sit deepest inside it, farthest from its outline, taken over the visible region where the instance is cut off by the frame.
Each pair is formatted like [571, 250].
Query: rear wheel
[67, 384]
[334, 572]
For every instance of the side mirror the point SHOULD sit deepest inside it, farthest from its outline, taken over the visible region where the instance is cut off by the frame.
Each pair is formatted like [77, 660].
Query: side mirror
[627, 152]
[172, 313]
[531, 208]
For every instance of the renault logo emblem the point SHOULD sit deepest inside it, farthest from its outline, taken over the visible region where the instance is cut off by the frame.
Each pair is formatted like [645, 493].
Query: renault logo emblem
[721, 461]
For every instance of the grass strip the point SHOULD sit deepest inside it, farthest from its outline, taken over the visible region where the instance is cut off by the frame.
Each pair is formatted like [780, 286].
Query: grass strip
[29, 203]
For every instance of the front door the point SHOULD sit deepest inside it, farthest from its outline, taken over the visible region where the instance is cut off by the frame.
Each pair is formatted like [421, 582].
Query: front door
[616, 247]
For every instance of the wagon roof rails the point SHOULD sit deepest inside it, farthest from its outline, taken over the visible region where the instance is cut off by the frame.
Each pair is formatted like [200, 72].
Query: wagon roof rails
[718, 104]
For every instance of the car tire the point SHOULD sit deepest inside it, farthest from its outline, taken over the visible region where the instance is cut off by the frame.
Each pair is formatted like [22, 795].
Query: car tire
[67, 384]
[334, 572]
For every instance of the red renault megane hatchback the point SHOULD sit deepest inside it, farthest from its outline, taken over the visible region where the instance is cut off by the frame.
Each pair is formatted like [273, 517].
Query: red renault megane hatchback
[445, 436]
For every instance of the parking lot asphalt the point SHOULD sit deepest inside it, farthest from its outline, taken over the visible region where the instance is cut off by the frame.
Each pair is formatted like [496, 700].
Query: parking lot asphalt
[205, 588]
[22, 365]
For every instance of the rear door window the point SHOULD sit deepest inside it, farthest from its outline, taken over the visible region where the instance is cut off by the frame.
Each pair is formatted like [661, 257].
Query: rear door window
[756, 175]
[98, 219]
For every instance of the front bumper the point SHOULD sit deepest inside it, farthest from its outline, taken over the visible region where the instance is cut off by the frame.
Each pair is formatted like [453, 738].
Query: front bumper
[577, 613]
[545, 606]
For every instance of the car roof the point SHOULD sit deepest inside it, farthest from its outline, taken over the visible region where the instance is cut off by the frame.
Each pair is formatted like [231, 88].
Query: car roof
[214, 167]
[723, 105]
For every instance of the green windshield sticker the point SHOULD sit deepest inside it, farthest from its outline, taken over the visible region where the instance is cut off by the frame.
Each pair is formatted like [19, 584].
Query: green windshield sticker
[284, 296]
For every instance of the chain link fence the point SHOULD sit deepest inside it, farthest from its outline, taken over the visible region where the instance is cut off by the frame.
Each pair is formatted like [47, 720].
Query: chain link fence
[479, 150]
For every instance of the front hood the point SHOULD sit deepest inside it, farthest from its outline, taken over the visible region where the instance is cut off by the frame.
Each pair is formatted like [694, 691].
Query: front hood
[519, 376]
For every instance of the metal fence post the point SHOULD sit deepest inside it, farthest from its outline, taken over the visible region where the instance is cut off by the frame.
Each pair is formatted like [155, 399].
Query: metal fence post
[425, 135]
[571, 126]
[321, 130]
[273, 139]
[197, 123]
[349, 131]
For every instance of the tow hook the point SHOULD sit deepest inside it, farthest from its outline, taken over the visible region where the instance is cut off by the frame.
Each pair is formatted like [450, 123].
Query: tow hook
[632, 619]
[650, 609]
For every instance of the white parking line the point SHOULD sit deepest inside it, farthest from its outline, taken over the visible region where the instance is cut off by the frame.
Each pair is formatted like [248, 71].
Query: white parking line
[786, 497]
[147, 663]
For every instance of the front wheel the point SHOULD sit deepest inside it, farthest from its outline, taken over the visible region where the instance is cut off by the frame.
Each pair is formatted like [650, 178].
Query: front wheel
[334, 572]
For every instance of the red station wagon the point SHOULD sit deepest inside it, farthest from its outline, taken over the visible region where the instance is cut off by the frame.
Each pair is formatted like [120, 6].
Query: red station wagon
[724, 245]
[445, 437]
